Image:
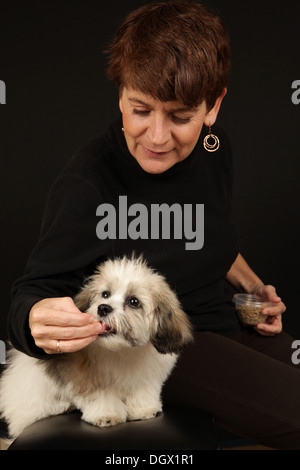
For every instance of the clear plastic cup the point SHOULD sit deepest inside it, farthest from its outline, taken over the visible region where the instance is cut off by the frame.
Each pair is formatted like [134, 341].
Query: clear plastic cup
[248, 308]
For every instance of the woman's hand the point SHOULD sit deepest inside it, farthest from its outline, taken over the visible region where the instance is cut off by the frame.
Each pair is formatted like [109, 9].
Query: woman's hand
[244, 279]
[273, 323]
[57, 325]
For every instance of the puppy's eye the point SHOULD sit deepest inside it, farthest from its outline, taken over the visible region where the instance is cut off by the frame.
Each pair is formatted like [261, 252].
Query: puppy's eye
[105, 294]
[134, 302]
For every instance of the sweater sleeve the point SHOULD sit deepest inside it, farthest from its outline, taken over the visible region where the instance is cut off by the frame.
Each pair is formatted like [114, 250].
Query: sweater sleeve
[67, 245]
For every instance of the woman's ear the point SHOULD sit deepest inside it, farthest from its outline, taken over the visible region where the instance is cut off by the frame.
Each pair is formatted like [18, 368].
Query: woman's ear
[120, 105]
[211, 116]
[121, 101]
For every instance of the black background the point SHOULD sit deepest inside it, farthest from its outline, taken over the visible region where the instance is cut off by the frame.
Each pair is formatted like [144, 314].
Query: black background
[58, 97]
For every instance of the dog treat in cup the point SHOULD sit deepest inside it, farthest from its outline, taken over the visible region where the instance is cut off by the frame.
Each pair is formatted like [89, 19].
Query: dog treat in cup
[248, 308]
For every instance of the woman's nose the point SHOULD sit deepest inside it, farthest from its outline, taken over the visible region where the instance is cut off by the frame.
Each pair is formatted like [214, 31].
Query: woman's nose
[159, 131]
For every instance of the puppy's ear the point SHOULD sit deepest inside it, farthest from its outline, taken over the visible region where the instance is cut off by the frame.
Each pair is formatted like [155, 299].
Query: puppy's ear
[171, 326]
[83, 299]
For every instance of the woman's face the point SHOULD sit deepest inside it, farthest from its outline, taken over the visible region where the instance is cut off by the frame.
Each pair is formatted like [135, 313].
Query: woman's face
[160, 134]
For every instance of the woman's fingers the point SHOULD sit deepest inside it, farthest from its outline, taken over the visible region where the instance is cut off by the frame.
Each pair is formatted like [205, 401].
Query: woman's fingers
[271, 327]
[277, 309]
[268, 292]
[71, 338]
[67, 346]
[66, 332]
[53, 320]
[273, 323]
[49, 311]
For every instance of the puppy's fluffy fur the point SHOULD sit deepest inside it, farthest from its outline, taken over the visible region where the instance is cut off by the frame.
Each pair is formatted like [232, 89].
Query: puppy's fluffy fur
[118, 377]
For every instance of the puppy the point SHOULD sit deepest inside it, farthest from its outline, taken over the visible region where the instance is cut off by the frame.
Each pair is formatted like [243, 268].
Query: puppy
[118, 377]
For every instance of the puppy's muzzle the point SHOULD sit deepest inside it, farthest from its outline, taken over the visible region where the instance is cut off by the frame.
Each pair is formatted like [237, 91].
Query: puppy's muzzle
[103, 311]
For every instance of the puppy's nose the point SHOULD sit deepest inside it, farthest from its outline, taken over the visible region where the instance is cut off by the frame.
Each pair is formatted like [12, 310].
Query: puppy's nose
[104, 310]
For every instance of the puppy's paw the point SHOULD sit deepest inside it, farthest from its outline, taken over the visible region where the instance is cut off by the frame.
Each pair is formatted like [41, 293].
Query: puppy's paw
[105, 421]
[148, 413]
[110, 421]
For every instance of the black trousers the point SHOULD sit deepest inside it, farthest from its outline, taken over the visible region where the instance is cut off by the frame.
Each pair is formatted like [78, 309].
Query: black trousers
[248, 382]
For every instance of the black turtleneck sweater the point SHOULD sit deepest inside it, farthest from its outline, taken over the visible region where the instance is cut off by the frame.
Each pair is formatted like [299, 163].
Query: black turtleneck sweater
[73, 241]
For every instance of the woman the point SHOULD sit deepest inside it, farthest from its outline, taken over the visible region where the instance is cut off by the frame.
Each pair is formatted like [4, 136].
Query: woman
[170, 62]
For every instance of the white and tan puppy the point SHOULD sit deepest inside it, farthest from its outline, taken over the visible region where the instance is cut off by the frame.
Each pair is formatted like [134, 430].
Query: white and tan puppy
[119, 377]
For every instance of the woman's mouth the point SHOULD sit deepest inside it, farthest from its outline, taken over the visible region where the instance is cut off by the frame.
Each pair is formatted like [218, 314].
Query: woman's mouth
[151, 153]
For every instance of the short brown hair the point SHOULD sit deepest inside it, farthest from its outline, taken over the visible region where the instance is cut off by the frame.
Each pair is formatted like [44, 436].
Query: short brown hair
[172, 51]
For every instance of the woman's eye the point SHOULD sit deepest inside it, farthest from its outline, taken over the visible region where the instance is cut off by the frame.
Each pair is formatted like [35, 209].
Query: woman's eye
[134, 302]
[181, 120]
[105, 294]
[140, 112]
[176, 119]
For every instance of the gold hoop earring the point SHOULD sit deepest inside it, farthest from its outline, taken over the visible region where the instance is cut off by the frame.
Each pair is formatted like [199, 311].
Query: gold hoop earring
[213, 147]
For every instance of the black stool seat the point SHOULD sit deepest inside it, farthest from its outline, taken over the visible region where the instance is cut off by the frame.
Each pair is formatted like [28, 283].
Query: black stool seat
[175, 428]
